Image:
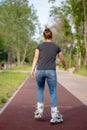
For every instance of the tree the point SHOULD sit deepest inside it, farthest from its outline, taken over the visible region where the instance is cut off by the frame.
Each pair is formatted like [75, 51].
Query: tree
[77, 15]
[18, 21]
[85, 27]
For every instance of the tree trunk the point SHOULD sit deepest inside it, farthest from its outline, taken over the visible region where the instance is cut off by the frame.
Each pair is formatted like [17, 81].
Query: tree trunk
[85, 28]
[18, 57]
[24, 55]
[85, 40]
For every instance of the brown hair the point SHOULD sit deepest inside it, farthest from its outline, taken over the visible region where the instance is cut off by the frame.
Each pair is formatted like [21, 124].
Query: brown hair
[47, 33]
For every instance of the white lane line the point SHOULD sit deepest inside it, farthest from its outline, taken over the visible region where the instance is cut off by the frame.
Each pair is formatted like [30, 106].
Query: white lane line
[46, 106]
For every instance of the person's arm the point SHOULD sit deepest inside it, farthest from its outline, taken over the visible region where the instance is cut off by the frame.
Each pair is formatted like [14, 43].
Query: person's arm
[36, 56]
[61, 57]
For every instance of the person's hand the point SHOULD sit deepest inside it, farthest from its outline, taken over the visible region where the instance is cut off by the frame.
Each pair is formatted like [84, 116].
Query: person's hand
[65, 68]
[33, 74]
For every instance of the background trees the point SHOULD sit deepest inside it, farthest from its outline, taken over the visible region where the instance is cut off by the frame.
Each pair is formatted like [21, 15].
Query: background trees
[18, 22]
[84, 2]
[71, 19]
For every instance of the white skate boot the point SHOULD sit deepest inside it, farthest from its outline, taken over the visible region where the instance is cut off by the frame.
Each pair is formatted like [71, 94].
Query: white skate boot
[56, 116]
[39, 111]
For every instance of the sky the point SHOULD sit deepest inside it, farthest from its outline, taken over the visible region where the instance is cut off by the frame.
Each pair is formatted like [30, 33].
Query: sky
[42, 7]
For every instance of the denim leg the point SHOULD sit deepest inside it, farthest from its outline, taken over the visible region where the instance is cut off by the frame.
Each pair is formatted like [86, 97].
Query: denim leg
[52, 84]
[40, 79]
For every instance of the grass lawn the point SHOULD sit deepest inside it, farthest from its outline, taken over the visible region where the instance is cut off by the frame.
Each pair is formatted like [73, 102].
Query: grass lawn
[82, 71]
[10, 81]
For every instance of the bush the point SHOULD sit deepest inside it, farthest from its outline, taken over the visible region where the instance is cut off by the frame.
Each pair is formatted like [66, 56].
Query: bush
[3, 100]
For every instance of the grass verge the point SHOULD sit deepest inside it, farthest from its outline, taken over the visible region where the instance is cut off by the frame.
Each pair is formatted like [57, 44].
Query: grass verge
[82, 71]
[10, 81]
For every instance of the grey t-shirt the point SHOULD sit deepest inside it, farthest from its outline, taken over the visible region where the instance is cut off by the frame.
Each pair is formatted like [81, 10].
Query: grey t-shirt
[47, 58]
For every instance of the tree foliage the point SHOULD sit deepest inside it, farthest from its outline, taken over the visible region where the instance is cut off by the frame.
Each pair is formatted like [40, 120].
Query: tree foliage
[18, 22]
[75, 14]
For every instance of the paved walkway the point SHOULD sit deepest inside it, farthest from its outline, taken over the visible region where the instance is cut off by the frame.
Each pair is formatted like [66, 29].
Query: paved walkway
[18, 115]
[75, 84]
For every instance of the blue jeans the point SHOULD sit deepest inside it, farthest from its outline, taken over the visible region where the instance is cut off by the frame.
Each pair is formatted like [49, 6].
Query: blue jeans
[50, 76]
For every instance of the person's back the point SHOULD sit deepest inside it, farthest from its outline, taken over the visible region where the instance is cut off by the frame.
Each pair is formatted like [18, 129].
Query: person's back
[48, 52]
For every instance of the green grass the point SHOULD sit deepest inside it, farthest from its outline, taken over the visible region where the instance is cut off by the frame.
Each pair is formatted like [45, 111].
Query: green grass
[20, 68]
[10, 81]
[82, 71]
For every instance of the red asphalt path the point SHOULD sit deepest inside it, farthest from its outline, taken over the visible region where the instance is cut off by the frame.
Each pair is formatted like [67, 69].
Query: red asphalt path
[19, 114]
